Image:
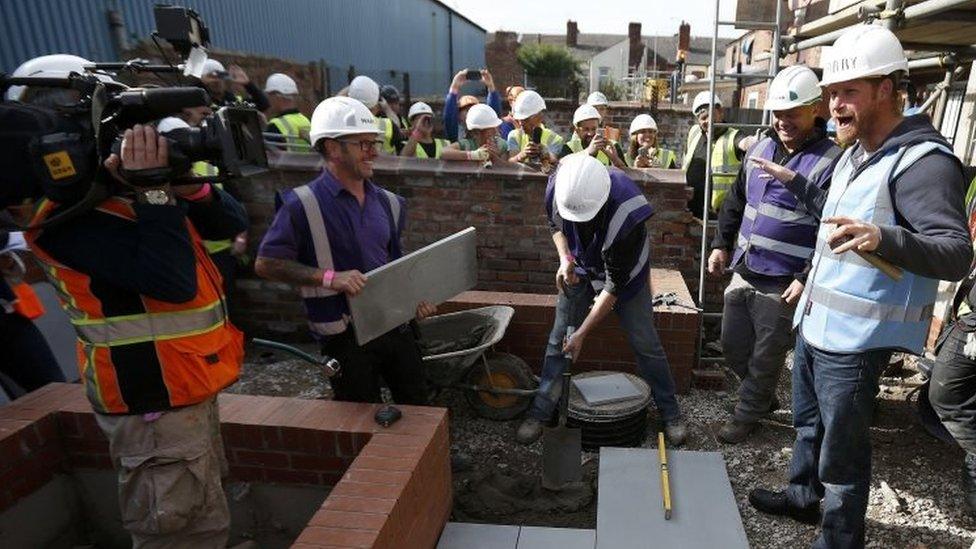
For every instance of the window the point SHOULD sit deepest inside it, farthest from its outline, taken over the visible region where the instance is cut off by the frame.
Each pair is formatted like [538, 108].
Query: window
[603, 75]
[752, 102]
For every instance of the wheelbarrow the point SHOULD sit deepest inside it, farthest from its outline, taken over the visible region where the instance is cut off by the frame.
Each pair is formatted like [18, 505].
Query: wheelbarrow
[457, 353]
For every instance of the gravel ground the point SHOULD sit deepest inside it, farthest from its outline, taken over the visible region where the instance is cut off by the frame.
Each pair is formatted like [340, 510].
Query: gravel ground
[497, 479]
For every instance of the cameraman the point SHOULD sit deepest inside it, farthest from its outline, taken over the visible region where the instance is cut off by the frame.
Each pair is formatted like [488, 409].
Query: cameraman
[154, 341]
[225, 87]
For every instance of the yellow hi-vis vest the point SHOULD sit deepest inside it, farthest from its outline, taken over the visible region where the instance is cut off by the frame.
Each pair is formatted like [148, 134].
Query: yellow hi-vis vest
[549, 139]
[205, 169]
[725, 163]
[294, 126]
[576, 145]
[439, 145]
[386, 129]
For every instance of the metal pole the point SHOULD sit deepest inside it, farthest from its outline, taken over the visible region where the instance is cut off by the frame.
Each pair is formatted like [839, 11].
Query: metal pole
[707, 200]
[774, 57]
[892, 14]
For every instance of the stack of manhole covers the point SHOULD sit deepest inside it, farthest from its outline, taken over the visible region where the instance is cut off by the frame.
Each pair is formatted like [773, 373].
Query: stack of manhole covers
[615, 413]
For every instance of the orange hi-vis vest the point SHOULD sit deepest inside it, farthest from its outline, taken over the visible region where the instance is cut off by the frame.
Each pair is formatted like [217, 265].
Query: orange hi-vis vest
[137, 354]
[28, 305]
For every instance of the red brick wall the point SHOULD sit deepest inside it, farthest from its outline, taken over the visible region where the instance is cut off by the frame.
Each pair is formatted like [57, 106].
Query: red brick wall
[391, 486]
[515, 250]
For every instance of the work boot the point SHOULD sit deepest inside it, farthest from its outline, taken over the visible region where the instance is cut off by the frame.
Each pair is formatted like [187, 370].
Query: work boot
[735, 431]
[529, 431]
[676, 431]
[774, 406]
[969, 482]
[776, 503]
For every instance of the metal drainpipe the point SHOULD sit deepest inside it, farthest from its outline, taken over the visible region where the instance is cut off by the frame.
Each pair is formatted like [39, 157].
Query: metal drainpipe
[450, 45]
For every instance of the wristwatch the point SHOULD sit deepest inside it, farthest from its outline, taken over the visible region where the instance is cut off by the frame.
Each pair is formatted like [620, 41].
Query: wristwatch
[156, 197]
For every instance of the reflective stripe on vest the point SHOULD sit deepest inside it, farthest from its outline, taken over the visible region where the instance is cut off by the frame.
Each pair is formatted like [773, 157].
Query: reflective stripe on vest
[123, 330]
[576, 145]
[323, 253]
[386, 128]
[294, 126]
[27, 304]
[439, 145]
[849, 306]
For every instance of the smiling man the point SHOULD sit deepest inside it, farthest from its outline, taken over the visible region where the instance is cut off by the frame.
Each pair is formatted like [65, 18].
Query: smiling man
[896, 191]
[326, 234]
[776, 237]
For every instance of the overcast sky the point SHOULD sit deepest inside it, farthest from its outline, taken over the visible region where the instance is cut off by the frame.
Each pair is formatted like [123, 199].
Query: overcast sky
[660, 17]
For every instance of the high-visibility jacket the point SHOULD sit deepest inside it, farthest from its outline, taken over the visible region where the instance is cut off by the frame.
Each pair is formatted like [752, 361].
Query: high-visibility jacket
[550, 140]
[138, 354]
[386, 130]
[849, 306]
[204, 169]
[725, 163]
[294, 126]
[27, 305]
[664, 158]
[439, 145]
[575, 144]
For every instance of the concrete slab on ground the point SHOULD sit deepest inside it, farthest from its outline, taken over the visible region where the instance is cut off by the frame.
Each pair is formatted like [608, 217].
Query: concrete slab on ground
[534, 537]
[460, 535]
[631, 511]
[606, 389]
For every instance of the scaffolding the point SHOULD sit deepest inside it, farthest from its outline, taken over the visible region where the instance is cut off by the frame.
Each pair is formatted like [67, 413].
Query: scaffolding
[949, 21]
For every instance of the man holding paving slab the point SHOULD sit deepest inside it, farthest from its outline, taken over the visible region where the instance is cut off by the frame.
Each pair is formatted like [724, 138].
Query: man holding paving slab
[325, 235]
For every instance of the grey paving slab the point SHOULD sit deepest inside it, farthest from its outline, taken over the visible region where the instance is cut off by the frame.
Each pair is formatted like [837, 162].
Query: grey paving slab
[463, 535]
[534, 537]
[606, 389]
[630, 514]
[434, 273]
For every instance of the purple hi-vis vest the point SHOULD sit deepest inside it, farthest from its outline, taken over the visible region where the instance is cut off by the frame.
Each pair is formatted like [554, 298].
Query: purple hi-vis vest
[626, 207]
[778, 234]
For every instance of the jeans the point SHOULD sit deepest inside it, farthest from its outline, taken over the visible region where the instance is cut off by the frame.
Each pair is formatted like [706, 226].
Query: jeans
[952, 390]
[756, 335]
[833, 402]
[637, 319]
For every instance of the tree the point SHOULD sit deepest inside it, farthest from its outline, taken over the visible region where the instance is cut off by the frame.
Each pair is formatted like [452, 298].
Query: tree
[551, 69]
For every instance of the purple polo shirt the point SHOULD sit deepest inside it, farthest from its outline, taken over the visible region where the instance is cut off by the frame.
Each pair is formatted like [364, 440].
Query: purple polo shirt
[361, 237]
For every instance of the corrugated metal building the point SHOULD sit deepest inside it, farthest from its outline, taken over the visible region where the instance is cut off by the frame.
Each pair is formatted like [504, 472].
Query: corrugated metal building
[425, 38]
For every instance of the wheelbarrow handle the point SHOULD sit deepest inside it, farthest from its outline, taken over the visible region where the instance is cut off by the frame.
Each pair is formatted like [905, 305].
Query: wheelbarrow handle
[330, 364]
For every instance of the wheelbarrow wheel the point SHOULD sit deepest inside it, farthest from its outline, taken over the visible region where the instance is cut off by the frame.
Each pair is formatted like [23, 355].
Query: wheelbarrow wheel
[504, 371]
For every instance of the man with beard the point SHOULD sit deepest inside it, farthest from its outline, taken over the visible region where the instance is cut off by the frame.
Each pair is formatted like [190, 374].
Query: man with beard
[326, 234]
[773, 236]
[586, 124]
[896, 192]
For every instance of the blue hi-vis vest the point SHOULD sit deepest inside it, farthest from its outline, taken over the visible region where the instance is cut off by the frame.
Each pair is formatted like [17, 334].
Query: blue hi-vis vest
[327, 309]
[626, 207]
[848, 306]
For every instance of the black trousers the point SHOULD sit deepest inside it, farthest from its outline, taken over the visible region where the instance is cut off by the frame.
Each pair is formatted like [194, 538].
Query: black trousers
[393, 357]
[952, 390]
[227, 265]
[27, 359]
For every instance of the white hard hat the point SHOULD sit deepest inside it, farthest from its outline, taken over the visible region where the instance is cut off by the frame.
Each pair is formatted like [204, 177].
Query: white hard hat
[585, 112]
[366, 90]
[211, 66]
[482, 117]
[704, 99]
[281, 83]
[793, 87]
[338, 116]
[864, 51]
[59, 65]
[582, 187]
[597, 98]
[642, 122]
[171, 123]
[419, 108]
[528, 103]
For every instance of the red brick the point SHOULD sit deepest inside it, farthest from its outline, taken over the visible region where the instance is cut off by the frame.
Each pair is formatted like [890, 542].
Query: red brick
[263, 459]
[343, 519]
[356, 489]
[287, 476]
[359, 504]
[337, 537]
[318, 463]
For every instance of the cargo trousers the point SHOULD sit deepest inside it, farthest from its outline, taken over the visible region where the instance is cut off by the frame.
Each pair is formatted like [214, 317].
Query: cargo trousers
[169, 467]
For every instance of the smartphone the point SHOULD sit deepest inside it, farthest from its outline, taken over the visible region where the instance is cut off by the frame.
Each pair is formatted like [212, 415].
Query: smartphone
[474, 74]
[537, 135]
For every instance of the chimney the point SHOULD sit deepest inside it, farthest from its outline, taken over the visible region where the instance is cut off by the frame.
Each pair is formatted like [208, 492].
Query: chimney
[636, 45]
[572, 34]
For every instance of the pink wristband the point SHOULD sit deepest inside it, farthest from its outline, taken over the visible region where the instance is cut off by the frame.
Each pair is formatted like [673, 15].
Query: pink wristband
[568, 258]
[327, 277]
[201, 193]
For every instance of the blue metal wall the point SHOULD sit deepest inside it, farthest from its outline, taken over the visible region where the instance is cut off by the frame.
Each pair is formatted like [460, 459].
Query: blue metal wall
[375, 36]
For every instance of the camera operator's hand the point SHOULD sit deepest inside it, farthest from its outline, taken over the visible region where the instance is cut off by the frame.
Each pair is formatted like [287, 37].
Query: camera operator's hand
[238, 76]
[142, 149]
